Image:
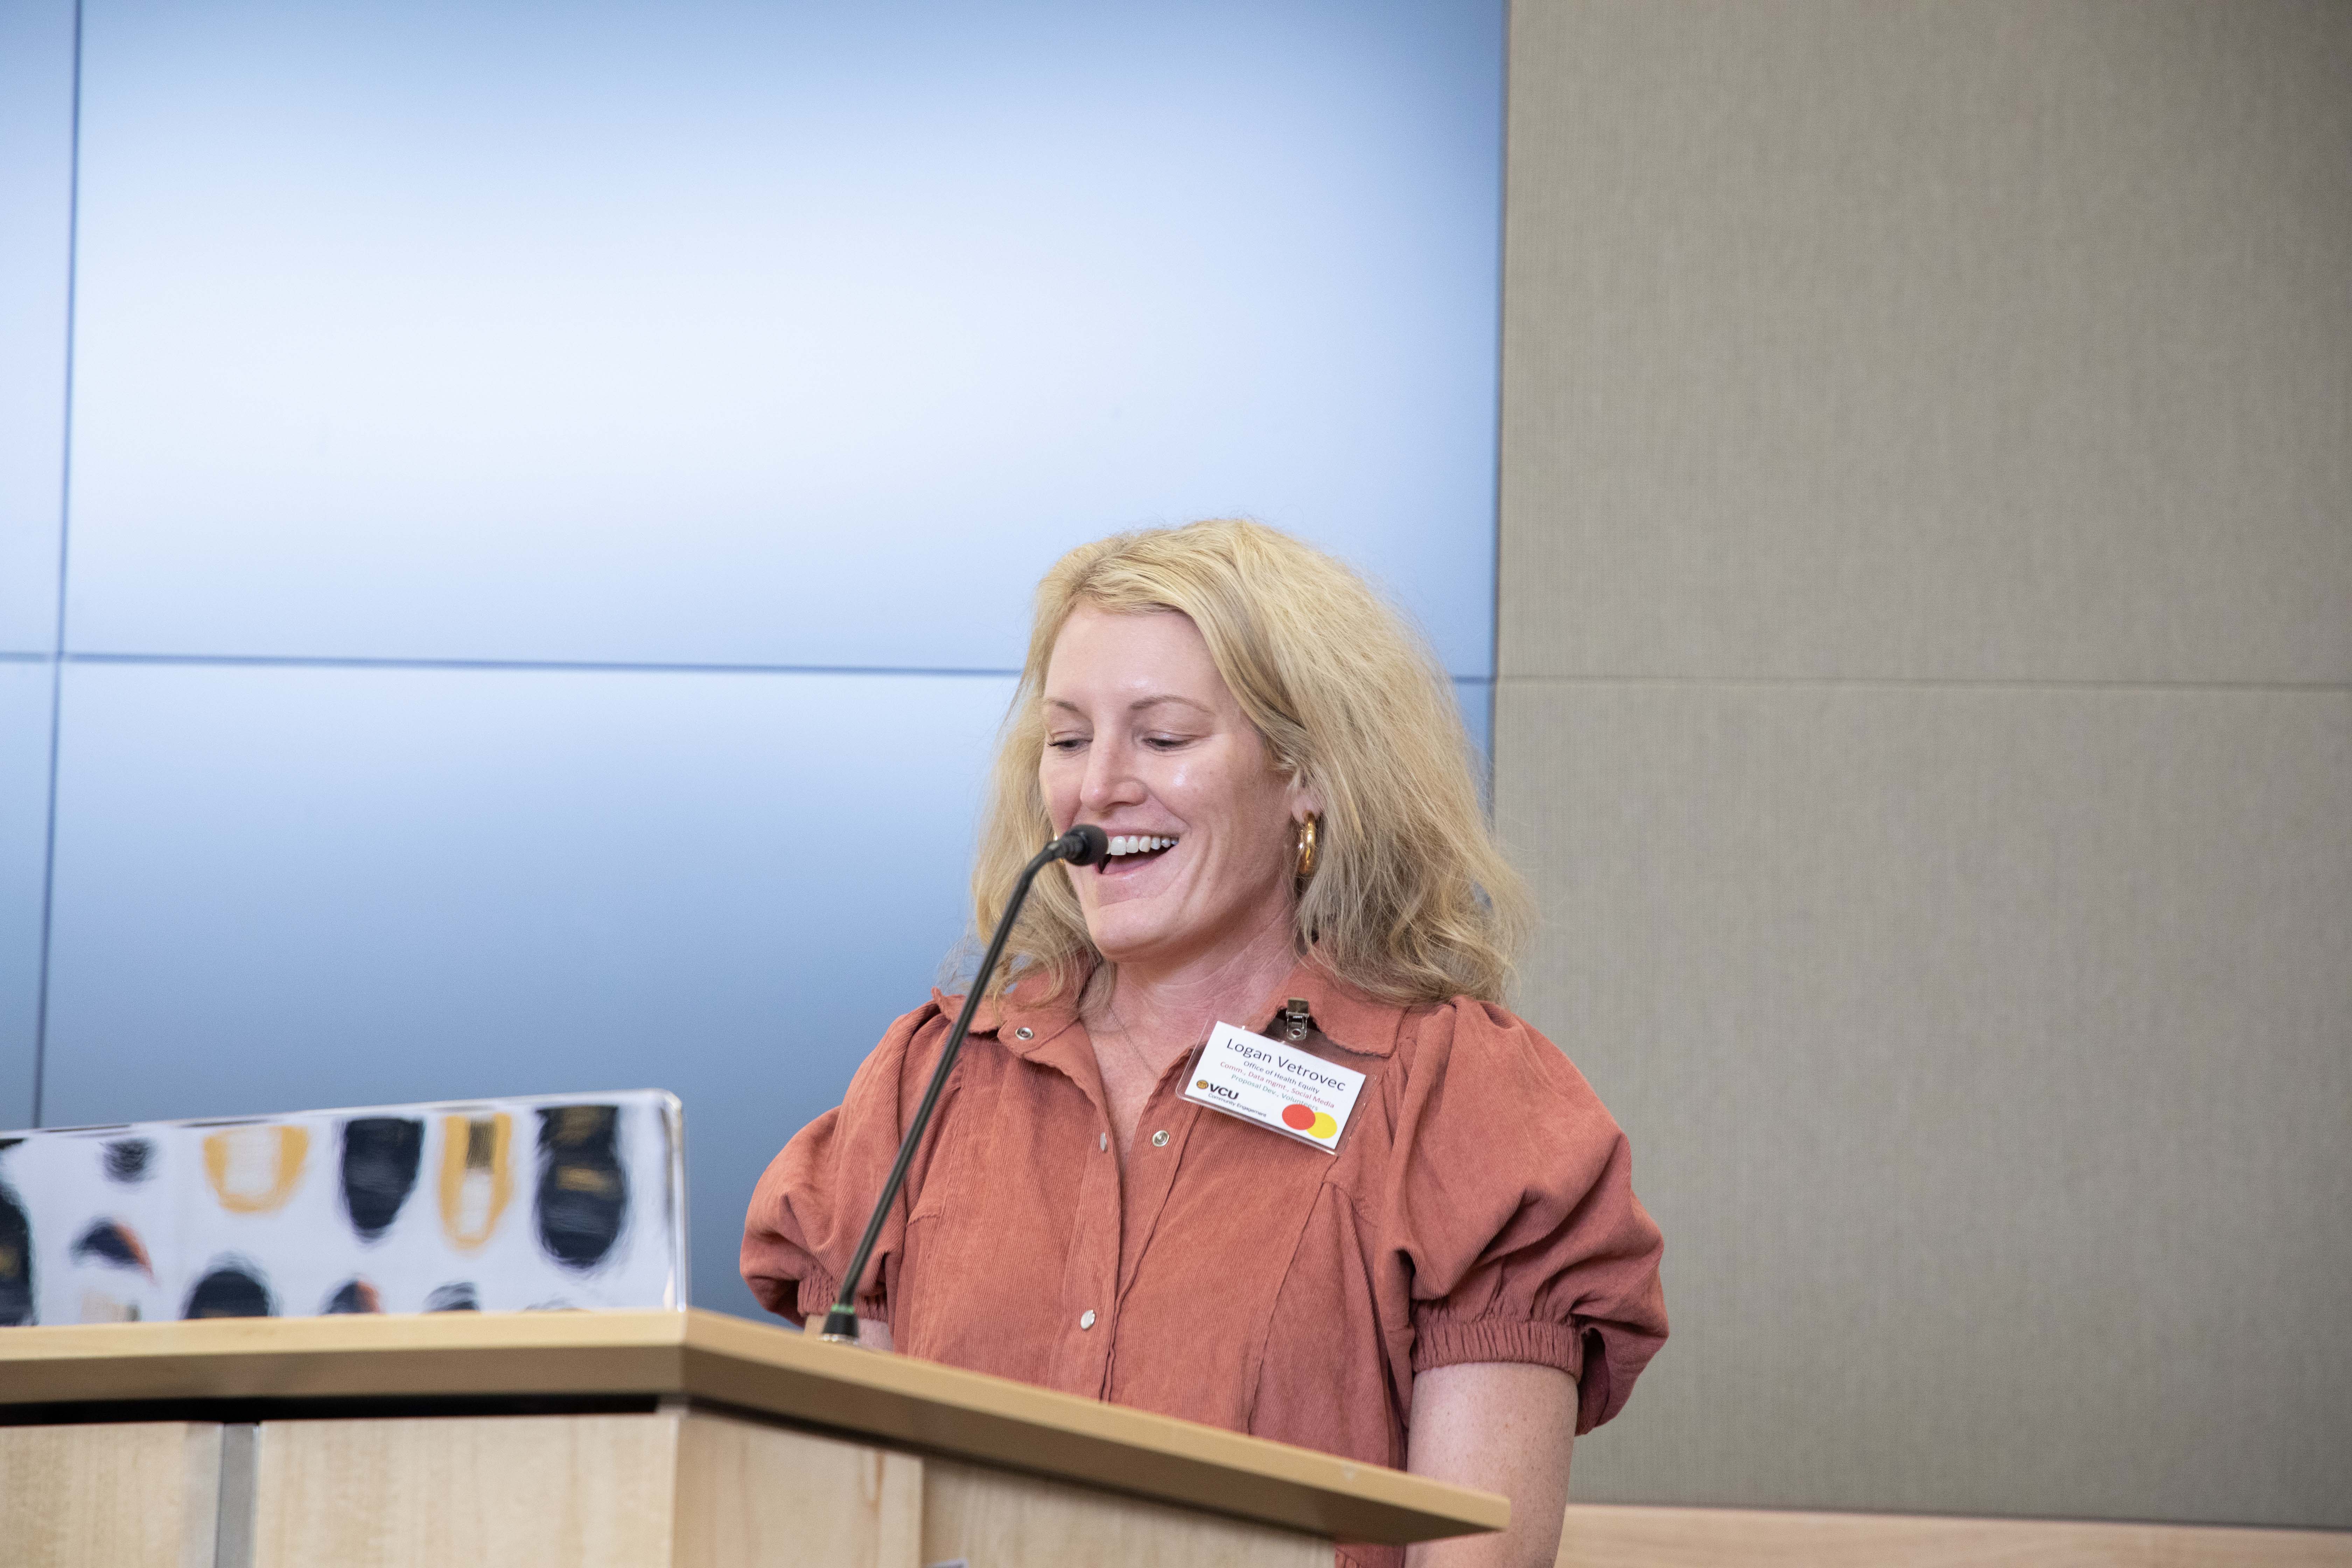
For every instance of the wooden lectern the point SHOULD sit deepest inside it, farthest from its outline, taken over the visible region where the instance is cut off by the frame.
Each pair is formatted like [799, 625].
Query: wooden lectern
[628, 1440]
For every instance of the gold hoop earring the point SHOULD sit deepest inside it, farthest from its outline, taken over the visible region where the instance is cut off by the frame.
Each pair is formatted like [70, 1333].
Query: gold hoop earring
[1307, 847]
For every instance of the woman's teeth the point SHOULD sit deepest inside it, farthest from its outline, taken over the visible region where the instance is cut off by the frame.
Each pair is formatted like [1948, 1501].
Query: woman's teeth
[1138, 844]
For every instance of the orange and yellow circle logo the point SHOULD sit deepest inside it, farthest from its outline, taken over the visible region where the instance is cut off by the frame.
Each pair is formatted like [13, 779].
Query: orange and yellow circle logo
[1307, 1120]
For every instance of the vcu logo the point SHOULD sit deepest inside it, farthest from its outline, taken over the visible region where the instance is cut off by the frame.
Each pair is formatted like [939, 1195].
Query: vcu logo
[1219, 1090]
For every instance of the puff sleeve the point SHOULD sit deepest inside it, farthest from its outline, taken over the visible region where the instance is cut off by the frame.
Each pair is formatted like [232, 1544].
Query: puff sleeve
[1513, 1206]
[811, 1206]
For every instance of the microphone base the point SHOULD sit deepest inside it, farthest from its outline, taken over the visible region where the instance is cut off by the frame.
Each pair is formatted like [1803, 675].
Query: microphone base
[840, 1327]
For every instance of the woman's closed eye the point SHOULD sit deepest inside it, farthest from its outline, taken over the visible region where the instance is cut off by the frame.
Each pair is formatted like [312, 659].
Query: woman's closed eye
[1168, 742]
[1064, 742]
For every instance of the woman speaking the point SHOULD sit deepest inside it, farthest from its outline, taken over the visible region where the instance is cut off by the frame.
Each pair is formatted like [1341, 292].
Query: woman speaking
[1439, 1265]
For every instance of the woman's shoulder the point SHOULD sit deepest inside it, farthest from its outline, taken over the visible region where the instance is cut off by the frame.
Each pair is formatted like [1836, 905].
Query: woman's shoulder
[1472, 1026]
[926, 1018]
[1488, 1050]
[913, 1041]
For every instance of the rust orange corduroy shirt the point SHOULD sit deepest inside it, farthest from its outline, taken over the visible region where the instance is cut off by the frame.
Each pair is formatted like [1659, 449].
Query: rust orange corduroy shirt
[1479, 1208]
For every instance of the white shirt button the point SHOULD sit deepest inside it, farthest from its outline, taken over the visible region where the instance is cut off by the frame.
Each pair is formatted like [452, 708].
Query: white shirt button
[1102, 1143]
[1087, 1319]
[1159, 1139]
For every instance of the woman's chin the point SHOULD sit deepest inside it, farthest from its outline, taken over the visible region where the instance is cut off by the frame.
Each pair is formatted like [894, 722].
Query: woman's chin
[1121, 938]
[1120, 948]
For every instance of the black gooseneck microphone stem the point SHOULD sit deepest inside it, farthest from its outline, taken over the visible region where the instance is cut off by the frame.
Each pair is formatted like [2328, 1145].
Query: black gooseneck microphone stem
[1083, 844]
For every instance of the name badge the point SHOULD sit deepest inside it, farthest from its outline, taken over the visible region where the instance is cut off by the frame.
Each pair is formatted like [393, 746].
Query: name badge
[1279, 1087]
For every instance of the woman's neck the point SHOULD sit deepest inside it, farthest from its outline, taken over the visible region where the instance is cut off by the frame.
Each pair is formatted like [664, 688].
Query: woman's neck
[1166, 1011]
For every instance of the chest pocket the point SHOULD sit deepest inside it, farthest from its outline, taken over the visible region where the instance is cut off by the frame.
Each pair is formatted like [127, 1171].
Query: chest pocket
[932, 1184]
[989, 1235]
[941, 1169]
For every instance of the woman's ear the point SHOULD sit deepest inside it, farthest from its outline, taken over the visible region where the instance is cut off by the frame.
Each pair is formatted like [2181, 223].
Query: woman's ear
[1305, 800]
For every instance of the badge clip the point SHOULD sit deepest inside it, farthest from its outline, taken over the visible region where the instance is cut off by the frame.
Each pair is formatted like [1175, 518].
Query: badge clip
[1284, 1089]
[1296, 1020]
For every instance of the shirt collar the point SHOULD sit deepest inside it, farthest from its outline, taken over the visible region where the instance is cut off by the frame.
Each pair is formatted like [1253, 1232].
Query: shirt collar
[1344, 1016]
[1021, 1027]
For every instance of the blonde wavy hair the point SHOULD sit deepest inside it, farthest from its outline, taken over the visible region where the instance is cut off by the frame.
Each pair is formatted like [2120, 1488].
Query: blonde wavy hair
[1411, 901]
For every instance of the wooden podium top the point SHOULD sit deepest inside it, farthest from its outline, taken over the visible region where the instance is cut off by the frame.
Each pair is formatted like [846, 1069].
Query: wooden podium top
[706, 1356]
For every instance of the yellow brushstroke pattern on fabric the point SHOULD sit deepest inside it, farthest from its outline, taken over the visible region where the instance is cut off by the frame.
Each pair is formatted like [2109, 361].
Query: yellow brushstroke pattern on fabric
[476, 1177]
[254, 1170]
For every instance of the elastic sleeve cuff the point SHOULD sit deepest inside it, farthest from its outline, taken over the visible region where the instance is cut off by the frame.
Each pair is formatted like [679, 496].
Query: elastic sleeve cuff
[1451, 1342]
[817, 1290]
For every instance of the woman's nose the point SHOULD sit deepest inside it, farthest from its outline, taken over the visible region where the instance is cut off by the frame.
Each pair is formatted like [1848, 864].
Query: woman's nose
[1110, 778]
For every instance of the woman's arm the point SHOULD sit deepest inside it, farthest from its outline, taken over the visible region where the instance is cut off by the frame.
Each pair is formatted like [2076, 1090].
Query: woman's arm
[1501, 1427]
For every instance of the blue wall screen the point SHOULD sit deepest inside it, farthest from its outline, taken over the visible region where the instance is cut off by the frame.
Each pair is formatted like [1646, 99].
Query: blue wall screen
[520, 518]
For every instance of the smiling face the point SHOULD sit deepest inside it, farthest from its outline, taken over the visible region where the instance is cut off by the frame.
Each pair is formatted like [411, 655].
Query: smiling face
[1143, 738]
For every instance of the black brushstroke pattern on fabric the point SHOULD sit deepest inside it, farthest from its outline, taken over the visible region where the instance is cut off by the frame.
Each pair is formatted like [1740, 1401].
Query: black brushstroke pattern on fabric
[111, 1241]
[457, 1297]
[15, 1261]
[583, 1193]
[353, 1295]
[381, 1154]
[130, 1160]
[234, 1288]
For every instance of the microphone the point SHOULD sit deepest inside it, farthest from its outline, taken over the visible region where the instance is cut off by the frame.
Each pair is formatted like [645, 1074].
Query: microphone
[1083, 844]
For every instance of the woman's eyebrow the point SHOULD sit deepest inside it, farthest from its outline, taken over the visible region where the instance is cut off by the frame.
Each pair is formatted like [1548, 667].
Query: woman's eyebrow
[1138, 706]
[1141, 704]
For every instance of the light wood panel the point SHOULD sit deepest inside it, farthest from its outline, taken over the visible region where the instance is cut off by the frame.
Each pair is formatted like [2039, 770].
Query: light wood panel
[987, 1518]
[966, 1415]
[1613, 1536]
[520, 1491]
[129, 1494]
[751, 1495]
[674, 1489]
[894, 1400]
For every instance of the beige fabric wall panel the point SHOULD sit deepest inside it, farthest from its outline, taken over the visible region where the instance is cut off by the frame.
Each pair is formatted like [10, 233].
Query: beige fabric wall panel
[1984, 1055]
[1939, 338]
[1925, 631]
